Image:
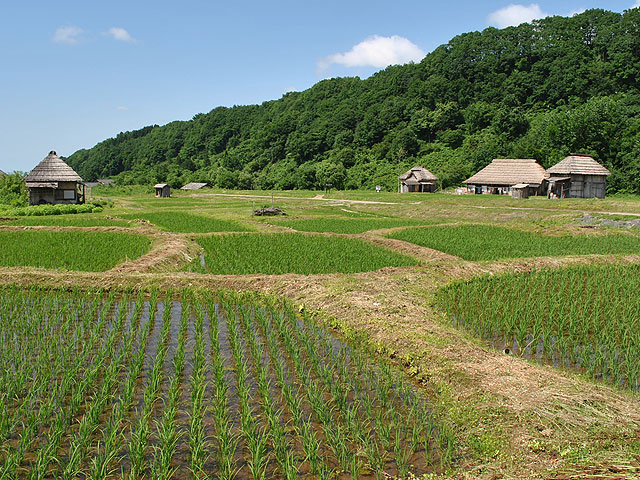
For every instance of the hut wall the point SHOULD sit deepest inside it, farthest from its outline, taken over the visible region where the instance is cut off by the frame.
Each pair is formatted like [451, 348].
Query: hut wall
[587, 186]
[38, 196]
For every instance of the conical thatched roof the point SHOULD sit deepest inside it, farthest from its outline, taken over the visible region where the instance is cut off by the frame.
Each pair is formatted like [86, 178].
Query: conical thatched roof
[578, 164]
[52, 169]
[510, 171]
[420, 174]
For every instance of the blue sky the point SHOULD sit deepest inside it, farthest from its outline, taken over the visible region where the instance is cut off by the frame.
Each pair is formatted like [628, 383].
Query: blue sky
[73, 73]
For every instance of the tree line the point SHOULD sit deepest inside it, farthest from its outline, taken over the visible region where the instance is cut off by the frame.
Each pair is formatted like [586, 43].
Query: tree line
[540, 90]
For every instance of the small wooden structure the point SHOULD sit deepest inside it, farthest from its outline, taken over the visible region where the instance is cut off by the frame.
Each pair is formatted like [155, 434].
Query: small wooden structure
[577, 176]
[504, 176]
[194, 186]
[418, 179]
[162, 190]
[54, 182]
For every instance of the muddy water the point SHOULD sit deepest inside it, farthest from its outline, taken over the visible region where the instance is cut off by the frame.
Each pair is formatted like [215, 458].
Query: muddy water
[387, 424]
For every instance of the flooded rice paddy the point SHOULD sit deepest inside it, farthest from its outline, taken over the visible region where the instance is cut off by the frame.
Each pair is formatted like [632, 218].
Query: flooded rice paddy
[193, 385]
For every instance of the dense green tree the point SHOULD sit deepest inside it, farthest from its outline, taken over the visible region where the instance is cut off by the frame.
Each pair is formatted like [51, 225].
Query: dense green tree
[13, 191]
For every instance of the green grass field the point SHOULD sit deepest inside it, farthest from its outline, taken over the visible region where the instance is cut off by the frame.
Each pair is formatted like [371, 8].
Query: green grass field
[187, 223]
[347, 225]
[487, 242]
[86, 251]
[238, 254]
[583, 317]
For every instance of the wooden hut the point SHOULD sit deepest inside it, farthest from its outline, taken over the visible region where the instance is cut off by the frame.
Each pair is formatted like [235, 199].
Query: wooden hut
[53, 182]
[504, 176]
[418, 179]
[194, 186]
[577, 176]
[162, 190]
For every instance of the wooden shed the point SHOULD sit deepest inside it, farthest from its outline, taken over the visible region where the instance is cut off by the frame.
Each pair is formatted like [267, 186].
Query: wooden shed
[53, 182]
[503, 175]
[162, 190]
[418, 179]
[577, 176]
[194, 186]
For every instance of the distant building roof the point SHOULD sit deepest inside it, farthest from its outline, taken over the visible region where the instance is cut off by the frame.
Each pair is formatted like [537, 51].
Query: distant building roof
[416, 175]
[194, 186]
[105, 181]
[510, 171]
[578, 164]
[2, 173]
[160, 185]
[52, 169]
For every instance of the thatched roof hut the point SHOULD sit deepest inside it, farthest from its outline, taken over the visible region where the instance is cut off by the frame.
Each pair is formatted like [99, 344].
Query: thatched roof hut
[578, 164]
[53, 181]
[52, 169]
[418, 179]
[503, 173]
[578, 176]
[194, 186]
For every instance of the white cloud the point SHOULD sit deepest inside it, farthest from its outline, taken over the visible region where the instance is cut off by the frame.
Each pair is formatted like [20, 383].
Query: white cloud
[122, 108]
[637, 4]
[377, 52]
[120, 34]
[578, 12]
[69, 35]
[514, 15]
[289, 90]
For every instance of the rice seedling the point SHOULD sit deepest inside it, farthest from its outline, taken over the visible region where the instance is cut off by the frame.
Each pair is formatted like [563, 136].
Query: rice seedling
[293, 253]
[487, 242]
[584, 318]
[87, 251]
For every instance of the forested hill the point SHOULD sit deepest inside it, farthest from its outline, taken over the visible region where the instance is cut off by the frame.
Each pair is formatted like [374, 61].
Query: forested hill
[540, 90]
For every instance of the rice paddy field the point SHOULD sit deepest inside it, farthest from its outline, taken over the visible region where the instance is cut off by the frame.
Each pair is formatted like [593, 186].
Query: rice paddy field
[206, 343]
[178, 221]
[278, 253]
[489, 242]
[347, 225]
[70, 250]
[97, 385]
[77, 220]
[582, 318]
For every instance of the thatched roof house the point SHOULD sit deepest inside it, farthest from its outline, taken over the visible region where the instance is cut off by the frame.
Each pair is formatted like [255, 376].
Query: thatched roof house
[162, 190]
[418, 179]
[502, 174]
[194, 186]
[578, 176]
[53, 181]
